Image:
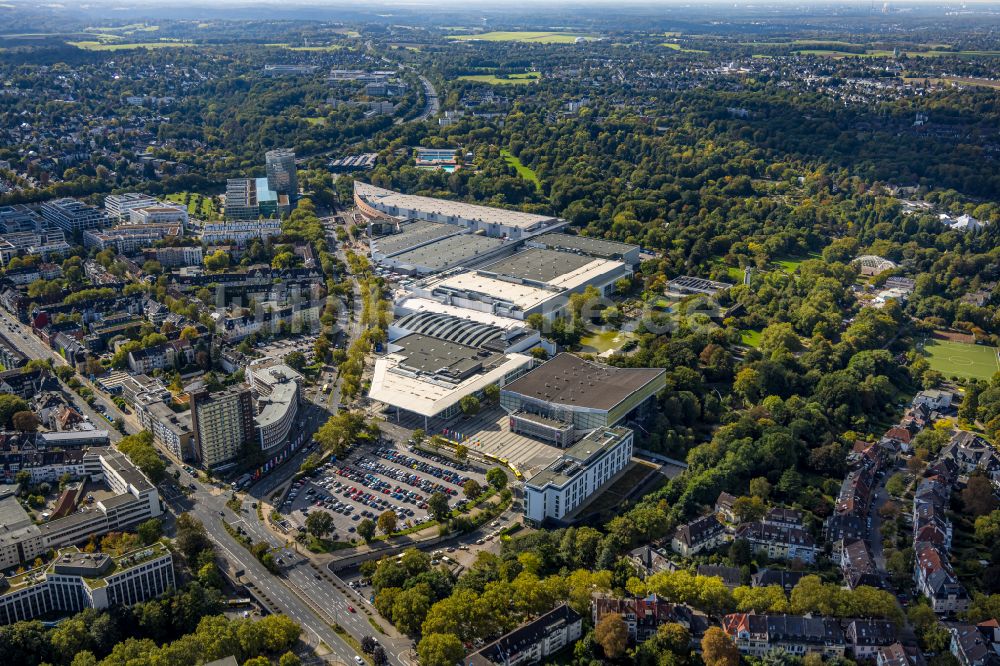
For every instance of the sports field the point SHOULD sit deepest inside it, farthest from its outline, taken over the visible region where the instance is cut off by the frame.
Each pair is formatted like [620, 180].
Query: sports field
[961, 359]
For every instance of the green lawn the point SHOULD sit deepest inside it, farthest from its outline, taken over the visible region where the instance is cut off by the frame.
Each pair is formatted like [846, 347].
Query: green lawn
[961, 359]
[511, 79]
[99, 46]
[674, 46]
[536, 37]
[327, 49]
[604, 340]
[750, 337]
[198, 205]
[523, 171]
[791, 264]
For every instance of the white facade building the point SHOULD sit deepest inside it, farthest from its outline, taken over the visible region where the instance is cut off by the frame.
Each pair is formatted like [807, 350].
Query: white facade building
[579, 474]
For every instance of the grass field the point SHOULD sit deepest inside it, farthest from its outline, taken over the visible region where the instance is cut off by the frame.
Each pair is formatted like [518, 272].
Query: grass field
[674, 46]
[523, 171]
[127, 29]
[198, 205]
[750, 337]
[791, 264]
[536, 37]
[100, 46]
[603, 341]
[986, 83]
[315, 122]
[512, 79]
[961, 359]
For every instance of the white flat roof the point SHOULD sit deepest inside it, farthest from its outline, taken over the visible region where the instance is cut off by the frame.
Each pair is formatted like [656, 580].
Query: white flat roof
[485, 214]
[586, 273]
[523, 295]
[410, 304]
[429, 398]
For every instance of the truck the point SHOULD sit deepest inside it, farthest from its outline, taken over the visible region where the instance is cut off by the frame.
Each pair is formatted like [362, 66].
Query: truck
[243, 481]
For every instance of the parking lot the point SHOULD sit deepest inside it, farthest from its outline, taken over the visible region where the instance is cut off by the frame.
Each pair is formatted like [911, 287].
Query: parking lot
[373, 480]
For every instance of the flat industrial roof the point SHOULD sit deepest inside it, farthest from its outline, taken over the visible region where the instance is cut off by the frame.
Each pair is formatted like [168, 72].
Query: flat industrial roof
[597, 247]
[447, 252]
[414, 304]
[570, 380]
[436, 356]
[412, 235]
[429, 375]
[539, 265]
[378, 196]
[524, 296]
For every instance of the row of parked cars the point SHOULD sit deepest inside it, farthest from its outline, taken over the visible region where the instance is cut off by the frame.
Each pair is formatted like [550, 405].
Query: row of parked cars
[429, 486]
[444, 474]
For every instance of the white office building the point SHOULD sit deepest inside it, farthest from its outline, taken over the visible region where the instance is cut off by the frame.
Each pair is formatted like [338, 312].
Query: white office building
[578, 474]
[72, 216]
[74, 581]
[119, 206]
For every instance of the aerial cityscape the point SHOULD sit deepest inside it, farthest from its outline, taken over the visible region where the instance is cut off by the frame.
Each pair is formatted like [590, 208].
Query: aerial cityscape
[490, 334]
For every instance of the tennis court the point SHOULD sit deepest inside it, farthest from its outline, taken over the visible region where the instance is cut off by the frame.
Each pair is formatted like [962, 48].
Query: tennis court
[960, 359]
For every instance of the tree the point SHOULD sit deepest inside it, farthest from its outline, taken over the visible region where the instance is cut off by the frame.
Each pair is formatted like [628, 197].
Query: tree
[23, 479]
[295, 360]
[387, 522]
[440, 650]
[760, 487]
[208, 576]
[289, 659]
[497, 478]
[897, 484]
[491, 393]
[319, 524]
[472, 489]
[10, 404]
[437, 506]
[749, 508]
[25, 421]
[611, 634]
[462, 452]
[978, 496]
[988, 527]
[366, 529]
[217, 261]
[470, 405]
[150, 530]
[717, 649]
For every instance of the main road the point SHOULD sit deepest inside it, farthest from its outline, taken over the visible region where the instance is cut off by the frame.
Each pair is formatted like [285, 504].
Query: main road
[210, 508]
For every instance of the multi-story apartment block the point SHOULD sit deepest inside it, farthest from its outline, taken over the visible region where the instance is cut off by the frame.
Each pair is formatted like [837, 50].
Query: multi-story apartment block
[223, 424]
[239, 231]
[72, 216]
[41, 243]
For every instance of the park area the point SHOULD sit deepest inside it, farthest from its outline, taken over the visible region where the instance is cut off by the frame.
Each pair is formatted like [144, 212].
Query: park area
[509, 79]
[198, 205]
[961, 359]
